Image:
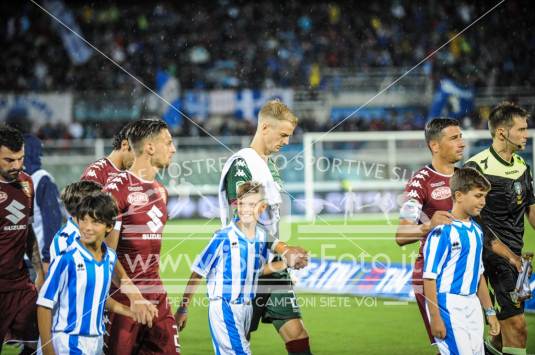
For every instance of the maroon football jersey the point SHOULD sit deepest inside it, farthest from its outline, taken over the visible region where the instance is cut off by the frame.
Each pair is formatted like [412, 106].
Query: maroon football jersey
[100, 171]
[143, 214]
[426, 192]
[16, 212]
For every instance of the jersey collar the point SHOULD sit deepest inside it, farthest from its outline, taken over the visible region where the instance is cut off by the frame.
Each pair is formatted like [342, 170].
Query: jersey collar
[242, 235]
[87, 255]
[500, 159]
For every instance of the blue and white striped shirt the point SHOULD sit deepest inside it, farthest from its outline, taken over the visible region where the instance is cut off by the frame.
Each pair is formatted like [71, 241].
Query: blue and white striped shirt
[453, 256]
[64, 238]
[76, 288]
[231, 264]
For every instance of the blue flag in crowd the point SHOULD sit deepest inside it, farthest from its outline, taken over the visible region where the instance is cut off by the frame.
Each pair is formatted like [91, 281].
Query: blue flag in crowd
[167, 87]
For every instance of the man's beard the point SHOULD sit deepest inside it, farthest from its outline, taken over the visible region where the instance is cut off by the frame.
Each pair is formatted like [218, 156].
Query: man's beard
[10, 174]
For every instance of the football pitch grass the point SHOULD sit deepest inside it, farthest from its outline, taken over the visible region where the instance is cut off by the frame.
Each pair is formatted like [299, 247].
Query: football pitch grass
[337, 324]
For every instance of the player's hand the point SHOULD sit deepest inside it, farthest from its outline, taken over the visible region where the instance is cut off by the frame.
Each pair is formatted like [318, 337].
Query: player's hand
[516, 261]
[438, 329]
[181, 319]
[441, 217]
[494, 325]
[144, 311]
[295, 257]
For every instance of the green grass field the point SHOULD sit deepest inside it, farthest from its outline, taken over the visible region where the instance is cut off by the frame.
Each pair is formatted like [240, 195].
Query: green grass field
[336, 324]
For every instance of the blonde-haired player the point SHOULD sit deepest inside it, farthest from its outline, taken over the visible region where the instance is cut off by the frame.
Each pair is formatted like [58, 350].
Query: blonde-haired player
[276, 302]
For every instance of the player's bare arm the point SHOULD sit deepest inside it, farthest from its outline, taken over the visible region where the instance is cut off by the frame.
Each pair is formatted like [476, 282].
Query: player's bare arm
[35, 257]
[119, 308]
[44, 322]
[500, 249]
[486, 303]
[409, 232]
[143, 311]
[531, 216]
[276, 266]
[437, 324]
[181, 315]
[112, 239]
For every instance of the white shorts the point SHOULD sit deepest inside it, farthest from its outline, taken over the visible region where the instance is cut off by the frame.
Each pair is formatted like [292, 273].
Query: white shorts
[463, 319]
[75, 344]
[229, 324]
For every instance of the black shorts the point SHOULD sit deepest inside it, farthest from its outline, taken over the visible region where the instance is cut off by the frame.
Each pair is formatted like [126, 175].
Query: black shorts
[502, 278]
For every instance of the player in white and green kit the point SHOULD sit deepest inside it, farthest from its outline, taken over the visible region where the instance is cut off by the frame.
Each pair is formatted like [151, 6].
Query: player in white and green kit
[275, 302]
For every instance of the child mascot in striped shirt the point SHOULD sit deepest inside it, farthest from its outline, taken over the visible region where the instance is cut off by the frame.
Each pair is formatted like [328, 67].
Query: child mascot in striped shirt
[72, 300]
[231, 263]
[454, 285]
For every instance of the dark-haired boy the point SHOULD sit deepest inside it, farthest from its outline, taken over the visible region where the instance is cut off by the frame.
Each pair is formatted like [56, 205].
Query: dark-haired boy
[454, 285]
[71, 303]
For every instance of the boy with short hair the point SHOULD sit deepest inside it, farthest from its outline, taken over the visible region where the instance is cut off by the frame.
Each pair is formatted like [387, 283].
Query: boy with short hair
[69, 232]
[454, 285]
[71, 302]
[232, 262]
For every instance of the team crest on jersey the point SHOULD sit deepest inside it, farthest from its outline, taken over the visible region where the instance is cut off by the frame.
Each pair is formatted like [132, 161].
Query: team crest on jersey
[80, 267]
[138, 198]
[3, 196]
[441, 193]
[26, 188]
[518, 189]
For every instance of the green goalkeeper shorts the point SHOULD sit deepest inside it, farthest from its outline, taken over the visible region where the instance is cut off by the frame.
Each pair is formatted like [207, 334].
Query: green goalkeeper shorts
[280, 304]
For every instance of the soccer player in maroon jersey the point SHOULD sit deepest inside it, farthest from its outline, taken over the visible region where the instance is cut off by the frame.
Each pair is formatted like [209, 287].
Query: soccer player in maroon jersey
[17, 292]
[119, 159]
[427, 200]
[142, 203]
[427, 197]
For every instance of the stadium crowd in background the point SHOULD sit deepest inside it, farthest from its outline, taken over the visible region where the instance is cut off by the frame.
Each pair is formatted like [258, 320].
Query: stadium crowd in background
[233, 44]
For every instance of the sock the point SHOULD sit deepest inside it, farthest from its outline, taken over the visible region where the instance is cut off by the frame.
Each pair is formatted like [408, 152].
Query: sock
[490, 348]
[513, 351]
[298, 347]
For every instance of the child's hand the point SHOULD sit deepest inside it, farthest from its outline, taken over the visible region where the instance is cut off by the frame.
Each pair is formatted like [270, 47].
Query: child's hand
[438, 329]
[143, 311]
[494, 325]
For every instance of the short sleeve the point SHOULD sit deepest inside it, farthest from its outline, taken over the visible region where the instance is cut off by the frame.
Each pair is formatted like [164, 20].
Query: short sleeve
[413, 200]
[435, 251]
[205, 260]
[55, 281]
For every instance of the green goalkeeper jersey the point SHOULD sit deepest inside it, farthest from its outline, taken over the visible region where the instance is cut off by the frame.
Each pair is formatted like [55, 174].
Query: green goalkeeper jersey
[239, 173]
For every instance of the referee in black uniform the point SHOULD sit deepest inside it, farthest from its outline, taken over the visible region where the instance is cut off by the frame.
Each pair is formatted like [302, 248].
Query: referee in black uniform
[510, 199]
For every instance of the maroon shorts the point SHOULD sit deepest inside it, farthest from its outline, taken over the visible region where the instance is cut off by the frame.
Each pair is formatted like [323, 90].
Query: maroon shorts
[128, 337]
[18, 315]
[418, 286]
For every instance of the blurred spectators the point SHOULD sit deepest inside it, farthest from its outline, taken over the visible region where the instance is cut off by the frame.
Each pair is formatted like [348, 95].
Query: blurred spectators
[237, 44]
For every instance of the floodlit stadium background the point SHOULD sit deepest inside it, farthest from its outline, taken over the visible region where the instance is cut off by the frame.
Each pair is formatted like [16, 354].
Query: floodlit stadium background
[363, 80]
